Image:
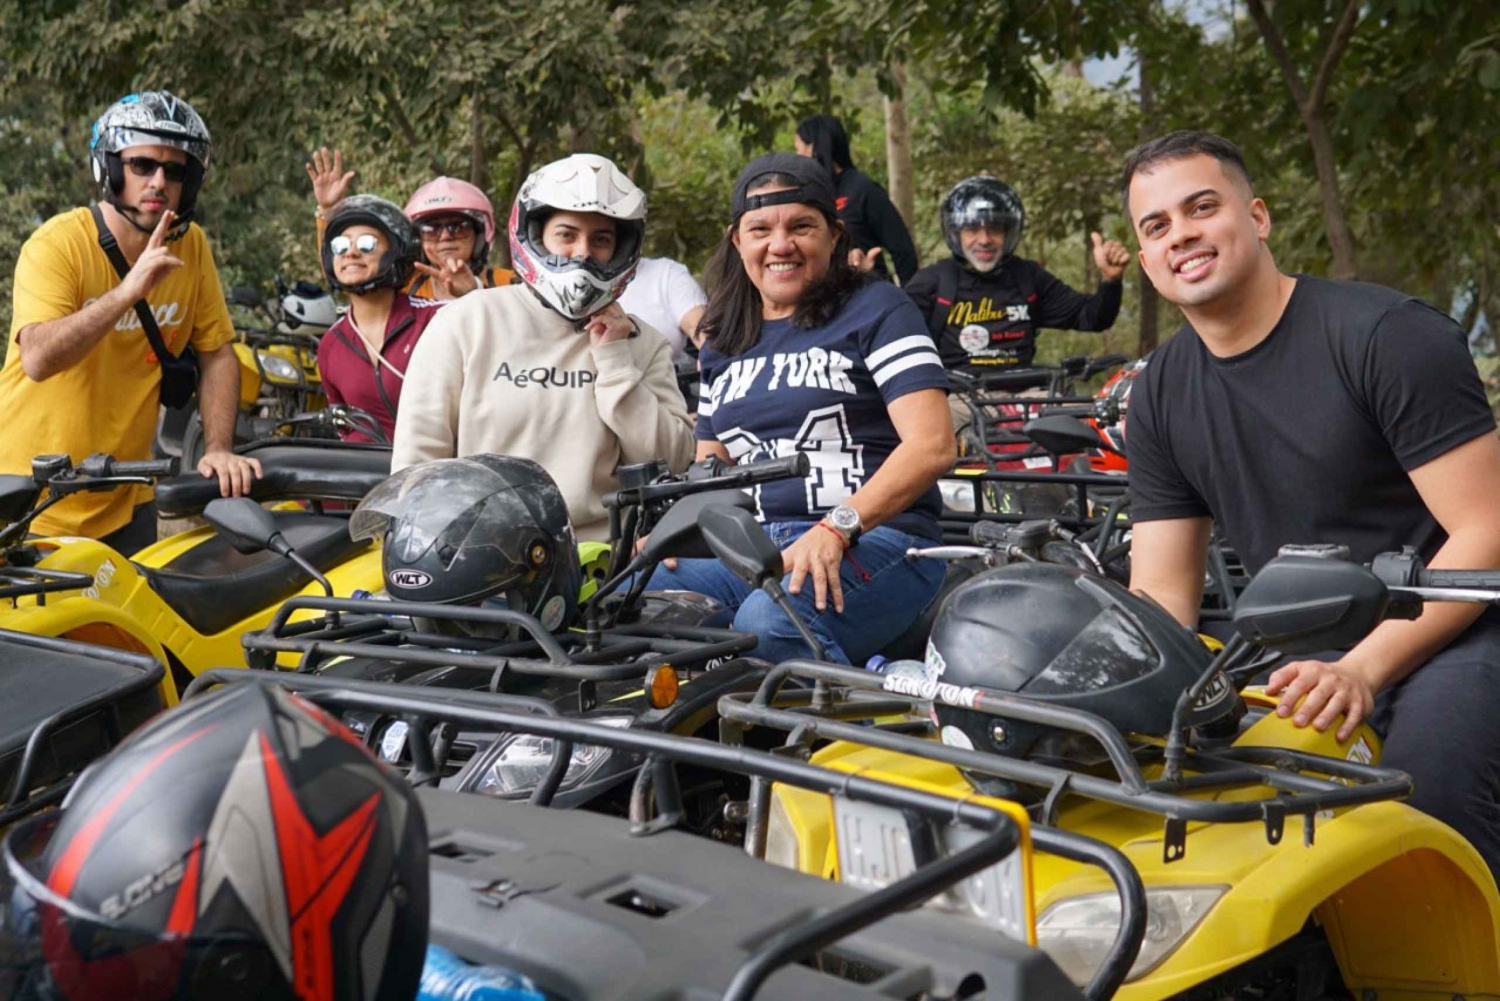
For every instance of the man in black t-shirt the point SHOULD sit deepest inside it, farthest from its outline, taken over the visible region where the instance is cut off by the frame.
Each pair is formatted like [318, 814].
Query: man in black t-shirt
[1298, 410]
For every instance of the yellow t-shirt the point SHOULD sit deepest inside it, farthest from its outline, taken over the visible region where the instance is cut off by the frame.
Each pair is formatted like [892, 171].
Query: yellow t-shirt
[108, 402]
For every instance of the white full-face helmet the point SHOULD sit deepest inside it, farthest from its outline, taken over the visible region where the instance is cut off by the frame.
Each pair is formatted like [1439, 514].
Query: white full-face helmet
[577, 287]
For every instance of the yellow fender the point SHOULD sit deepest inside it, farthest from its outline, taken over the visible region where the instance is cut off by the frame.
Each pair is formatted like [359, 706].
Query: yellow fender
[1409, 907]
[249, 374]
[122, 604]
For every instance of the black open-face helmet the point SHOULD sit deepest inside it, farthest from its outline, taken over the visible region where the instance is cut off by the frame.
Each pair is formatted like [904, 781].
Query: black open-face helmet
[396, 264]
[460, 531]
[244, 845]
[977, 200]
[1062, 636]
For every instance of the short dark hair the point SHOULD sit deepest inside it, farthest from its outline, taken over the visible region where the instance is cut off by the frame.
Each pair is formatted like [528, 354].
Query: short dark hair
[830, 143]
[1179, 145]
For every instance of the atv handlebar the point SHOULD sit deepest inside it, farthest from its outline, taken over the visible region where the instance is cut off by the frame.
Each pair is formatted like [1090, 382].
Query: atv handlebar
[101, 466]
[720, 477]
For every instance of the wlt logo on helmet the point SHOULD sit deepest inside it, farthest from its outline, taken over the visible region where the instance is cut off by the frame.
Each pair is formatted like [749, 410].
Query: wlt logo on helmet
[410, 578]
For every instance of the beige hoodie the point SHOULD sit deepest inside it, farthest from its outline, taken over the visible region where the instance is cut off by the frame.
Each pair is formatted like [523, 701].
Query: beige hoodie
[497, 371]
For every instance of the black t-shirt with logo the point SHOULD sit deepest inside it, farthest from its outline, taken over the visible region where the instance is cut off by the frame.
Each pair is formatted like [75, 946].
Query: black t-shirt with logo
[993, 320]
[1308, 437]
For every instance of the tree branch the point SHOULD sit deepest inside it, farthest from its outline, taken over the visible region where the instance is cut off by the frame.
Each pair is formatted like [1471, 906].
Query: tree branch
[509, 127]
[1343, 30]
[404, 124]
[1277, 47]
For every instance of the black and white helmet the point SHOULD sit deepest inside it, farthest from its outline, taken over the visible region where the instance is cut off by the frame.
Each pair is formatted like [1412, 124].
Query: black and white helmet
[577, 287]
[977, 200]
[396, 264]
[150, 118]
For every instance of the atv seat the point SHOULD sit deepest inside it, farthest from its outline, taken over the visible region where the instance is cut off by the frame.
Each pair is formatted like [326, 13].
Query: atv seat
[17, 494]
[912, 644]
[289, 472]
[213, 586]
[40, 683]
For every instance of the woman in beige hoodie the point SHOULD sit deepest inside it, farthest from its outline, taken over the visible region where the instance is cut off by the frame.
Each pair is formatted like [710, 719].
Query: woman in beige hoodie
[551, 369]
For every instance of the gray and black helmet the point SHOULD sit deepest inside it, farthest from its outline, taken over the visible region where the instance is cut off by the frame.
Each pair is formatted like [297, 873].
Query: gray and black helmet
[977, 200]
[1069, 638]
[371, 210]
[460, 531]
[150, 118]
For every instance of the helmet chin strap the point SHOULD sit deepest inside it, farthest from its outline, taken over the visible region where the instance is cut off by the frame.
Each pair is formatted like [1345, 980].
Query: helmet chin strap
[129, 213]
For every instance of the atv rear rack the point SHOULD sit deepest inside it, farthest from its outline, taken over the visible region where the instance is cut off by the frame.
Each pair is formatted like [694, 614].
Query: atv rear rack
[383, 630]
[778, 945]
[21, 582]
[1297, 778]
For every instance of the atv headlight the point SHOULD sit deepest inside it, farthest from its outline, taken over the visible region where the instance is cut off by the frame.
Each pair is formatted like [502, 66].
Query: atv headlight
[1078, 931]
[524, 758]
[957, 495]
[277, 369]
[393, 741]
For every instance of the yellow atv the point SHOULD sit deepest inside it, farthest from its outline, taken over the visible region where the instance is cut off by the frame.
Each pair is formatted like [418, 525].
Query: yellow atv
[1373, 898]
[187, 599]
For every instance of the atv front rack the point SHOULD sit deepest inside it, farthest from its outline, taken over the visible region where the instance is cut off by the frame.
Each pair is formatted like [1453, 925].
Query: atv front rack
[384, 631]
[64, 742]
[955, 524]
[782, 941]
[1303, 784]
[22, 582]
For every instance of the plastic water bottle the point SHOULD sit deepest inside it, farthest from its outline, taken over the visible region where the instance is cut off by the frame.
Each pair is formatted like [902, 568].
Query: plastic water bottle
[445, 977]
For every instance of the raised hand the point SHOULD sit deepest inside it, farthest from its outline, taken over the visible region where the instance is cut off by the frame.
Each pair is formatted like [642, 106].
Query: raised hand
[155, 262]
[329, 179]
[454, 276]
[1110, 256]
[864, 260]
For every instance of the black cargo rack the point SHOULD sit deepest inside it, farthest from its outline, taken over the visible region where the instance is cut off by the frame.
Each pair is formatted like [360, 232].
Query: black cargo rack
[21, 582]
[663, 752]
[1283, 772]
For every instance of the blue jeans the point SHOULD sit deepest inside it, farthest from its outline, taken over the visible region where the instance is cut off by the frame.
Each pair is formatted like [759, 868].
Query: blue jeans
[884, 592]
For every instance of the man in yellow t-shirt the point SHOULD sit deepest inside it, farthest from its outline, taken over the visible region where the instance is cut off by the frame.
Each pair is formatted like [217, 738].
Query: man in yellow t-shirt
[80, 375]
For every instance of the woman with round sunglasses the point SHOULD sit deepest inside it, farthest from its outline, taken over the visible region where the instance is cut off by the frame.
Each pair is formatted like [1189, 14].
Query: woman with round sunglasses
[369, 250]
[454, 218]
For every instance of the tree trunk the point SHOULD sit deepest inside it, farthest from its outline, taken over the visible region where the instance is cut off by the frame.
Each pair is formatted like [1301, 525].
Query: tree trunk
[898, 149]
[476, 143]
[1150, 301]
[1311, 103]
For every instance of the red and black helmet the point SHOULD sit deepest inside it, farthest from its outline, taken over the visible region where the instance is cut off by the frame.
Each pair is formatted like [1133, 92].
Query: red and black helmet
[245, 845]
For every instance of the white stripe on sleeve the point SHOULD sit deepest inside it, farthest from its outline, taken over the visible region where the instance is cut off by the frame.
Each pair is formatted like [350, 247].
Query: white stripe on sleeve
[879, 357]
[894, 369]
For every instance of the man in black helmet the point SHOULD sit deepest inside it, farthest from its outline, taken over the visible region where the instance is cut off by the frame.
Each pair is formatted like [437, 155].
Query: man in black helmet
[984, 305]
[83, 373]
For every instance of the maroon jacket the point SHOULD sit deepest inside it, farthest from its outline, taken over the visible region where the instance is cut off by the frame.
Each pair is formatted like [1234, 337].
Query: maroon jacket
[349, 375]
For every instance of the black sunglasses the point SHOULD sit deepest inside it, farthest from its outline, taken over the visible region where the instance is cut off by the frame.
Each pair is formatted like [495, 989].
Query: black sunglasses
[452, 227]
[145, 166]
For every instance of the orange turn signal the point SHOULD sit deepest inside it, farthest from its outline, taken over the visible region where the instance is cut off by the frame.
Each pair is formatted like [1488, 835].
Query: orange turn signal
[661, 686]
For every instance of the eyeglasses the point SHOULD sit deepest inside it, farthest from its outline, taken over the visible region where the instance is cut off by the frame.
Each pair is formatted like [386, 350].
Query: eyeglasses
[452, 227]
[145, 166]
[365, 243]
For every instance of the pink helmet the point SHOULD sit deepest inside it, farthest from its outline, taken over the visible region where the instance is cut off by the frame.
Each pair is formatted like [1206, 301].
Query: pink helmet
[449, 195]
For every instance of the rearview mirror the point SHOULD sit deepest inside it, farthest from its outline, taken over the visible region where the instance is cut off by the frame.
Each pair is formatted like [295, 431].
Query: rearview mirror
[677, 534]
[247, 526]
[1302, 605]
[1062, 434]
[244, 295]
[740, 543]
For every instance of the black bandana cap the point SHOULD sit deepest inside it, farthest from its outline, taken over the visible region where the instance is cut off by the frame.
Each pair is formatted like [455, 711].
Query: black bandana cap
[814, 186]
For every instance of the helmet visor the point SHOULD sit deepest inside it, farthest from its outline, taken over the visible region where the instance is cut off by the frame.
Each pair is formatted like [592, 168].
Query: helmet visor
[52, 948]
[466, 503]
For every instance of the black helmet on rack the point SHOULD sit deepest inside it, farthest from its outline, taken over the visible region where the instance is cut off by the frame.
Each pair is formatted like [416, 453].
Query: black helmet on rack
[396, 264]
[1061, 636]
[459, 531]
[245, 845]
[977, 200]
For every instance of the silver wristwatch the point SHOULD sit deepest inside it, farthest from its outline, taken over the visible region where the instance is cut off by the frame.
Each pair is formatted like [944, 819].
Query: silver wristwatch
[845, 521]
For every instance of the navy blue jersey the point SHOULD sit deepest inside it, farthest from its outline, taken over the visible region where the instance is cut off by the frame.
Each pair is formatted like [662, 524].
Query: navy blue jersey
[824, 392]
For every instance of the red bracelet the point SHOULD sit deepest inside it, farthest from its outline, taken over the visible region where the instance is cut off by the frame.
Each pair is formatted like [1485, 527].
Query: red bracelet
[824, 524]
